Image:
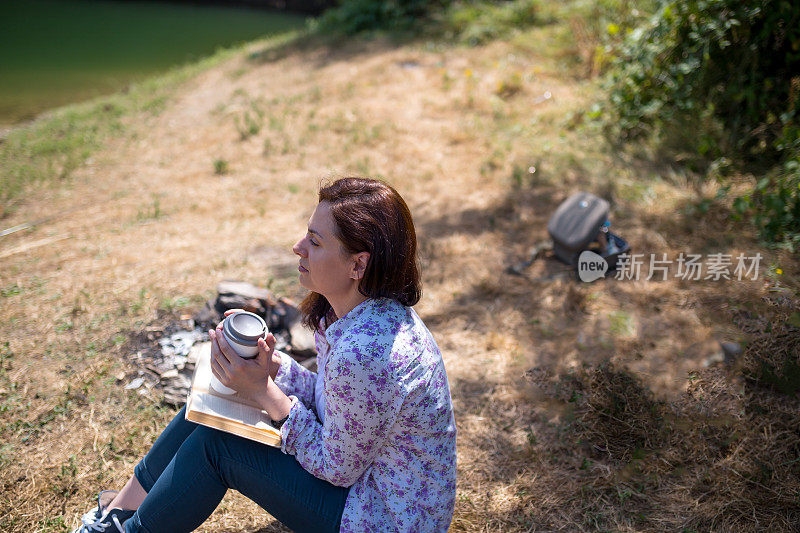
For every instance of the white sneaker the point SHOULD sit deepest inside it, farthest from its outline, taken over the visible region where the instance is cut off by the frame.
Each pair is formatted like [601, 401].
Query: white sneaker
[98, 521]
[111, 522]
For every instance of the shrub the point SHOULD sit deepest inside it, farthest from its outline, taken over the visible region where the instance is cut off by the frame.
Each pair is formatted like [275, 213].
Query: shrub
[356, 16]
[478, 22]
[700, 61]
[719, 78]
[471, 21]
[774, 204]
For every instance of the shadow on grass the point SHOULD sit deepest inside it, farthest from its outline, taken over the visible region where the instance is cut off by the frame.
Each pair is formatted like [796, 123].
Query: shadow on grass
[579, 470]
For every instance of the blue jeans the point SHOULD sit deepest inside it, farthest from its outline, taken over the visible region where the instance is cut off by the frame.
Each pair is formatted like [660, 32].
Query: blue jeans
[190, 467]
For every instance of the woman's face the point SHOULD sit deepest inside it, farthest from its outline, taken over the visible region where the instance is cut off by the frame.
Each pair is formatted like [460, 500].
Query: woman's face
[325, 266]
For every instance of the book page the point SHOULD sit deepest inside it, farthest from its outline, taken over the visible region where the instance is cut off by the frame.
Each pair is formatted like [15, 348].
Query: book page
[202, 372]
[223, 408]
[240, 410]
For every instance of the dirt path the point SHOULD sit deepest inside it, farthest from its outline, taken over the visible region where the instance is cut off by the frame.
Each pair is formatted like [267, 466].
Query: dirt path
[148, 222]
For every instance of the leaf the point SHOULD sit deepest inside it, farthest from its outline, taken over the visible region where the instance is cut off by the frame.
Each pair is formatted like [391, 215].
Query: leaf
[741, 205]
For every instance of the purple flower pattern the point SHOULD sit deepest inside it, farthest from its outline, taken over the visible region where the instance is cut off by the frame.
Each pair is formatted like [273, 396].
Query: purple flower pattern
[388, 432]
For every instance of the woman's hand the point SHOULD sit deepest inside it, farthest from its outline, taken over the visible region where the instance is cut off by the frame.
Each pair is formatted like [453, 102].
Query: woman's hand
[276, 358]
[250, 377]
[243, 375]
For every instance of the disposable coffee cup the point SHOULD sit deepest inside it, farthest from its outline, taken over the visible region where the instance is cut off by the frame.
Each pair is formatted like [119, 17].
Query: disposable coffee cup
[242, 331]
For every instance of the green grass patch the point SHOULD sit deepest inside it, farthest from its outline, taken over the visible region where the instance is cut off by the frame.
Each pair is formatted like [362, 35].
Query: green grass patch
[48, 150]
[221, 166]
[621, 324]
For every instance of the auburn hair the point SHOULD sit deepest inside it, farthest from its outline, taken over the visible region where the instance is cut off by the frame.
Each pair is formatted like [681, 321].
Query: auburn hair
[370, 216]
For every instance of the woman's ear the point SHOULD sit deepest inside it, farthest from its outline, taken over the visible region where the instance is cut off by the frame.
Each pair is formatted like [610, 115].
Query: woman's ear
[360, 265]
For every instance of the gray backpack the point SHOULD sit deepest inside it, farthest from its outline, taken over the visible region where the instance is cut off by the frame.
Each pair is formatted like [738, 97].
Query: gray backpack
[581, 223]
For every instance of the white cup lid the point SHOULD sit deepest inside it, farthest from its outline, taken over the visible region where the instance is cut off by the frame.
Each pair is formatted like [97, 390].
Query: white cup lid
[245, 327]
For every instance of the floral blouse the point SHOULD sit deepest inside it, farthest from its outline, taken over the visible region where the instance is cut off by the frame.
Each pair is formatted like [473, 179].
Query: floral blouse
[388, 429]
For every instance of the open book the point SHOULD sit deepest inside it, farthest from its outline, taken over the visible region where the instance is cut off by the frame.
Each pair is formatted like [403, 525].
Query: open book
[234, 414]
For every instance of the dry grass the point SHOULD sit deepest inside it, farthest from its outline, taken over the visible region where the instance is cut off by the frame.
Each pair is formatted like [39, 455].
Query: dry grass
[723, 457]
[773, 355]
[147, 222]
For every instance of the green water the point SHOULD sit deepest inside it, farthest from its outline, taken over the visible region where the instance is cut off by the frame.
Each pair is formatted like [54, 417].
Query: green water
[54, 52]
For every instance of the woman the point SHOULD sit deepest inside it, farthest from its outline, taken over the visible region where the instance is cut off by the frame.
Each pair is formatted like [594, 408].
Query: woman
[368, 441]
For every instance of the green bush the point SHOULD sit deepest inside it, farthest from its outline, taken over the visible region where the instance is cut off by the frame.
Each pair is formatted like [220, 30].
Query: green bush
[719, 78]
[736, 63]
[478, 22]
[774, 204]
[356, 16]
[471, 21]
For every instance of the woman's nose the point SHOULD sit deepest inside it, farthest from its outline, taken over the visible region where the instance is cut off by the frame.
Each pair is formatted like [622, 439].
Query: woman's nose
[298, 248]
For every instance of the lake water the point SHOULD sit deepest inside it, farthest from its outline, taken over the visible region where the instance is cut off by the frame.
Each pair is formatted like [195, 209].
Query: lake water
[54, 52]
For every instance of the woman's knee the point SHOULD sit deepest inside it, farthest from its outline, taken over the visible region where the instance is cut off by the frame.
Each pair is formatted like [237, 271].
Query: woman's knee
[206, 442]
[219, 449]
